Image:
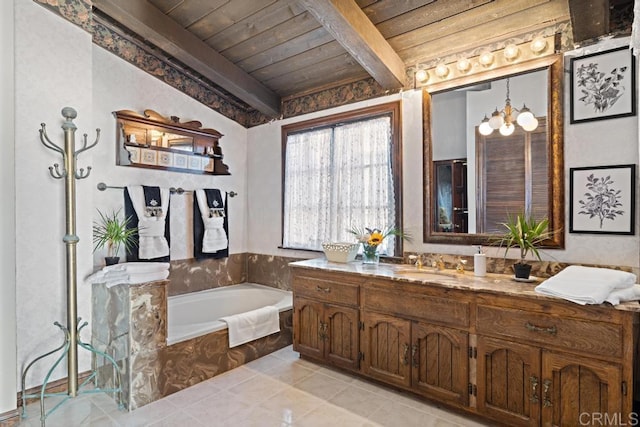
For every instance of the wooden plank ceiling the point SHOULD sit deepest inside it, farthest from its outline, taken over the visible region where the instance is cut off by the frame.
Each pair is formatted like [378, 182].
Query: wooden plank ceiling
[262, 51]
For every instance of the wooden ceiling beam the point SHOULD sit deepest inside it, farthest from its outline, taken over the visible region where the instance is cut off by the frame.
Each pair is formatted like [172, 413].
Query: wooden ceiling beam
[150, 23]
[349, 25]
[589, 19]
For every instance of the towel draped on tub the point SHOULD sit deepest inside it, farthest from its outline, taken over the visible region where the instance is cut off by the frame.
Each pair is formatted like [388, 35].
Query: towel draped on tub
[249, 326]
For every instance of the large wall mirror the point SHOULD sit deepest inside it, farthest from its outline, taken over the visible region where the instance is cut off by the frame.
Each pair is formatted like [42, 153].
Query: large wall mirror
[473, 179]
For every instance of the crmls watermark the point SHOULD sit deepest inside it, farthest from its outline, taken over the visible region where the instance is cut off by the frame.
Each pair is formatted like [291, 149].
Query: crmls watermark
[607, 419]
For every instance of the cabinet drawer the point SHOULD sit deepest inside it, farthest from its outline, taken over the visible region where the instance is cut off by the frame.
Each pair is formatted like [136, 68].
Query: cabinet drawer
[590, 337]
[326, 290]
[420, 306]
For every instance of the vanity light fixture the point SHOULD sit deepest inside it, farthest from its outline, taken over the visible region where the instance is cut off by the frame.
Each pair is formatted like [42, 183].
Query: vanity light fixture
[442, 70]
[463, 65]
[538, 45]
[422, 75]
[511, 52]
[486, 58]
[503, 120]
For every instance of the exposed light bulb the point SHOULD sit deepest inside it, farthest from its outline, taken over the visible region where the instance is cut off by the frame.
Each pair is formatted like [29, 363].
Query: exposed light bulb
[511, 52]
[486, 58]
[484, 128]
[532, 125]
[496, 120]
[507, 129]
[525, 116]
[422, 75]
[463, 65]
[538, 45]
[442, 70]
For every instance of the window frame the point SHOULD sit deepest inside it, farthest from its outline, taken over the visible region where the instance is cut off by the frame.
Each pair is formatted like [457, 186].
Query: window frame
[392, 109]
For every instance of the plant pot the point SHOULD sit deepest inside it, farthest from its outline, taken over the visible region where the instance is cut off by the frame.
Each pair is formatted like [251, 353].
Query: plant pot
[111, 260]
[521, 270]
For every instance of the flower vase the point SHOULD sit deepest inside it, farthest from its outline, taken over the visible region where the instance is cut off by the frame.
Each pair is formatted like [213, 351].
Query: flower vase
[370, 255]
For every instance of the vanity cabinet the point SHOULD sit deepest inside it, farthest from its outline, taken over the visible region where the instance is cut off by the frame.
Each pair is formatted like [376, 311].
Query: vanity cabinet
[408, 339]
[516, 358]
[326, 320]
[556, 368]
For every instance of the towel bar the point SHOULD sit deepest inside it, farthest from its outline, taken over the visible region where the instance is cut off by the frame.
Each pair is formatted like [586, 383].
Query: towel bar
[102, 186]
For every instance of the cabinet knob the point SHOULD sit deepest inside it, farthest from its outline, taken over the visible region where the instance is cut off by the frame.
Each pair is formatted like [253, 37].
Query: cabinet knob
[321, 289]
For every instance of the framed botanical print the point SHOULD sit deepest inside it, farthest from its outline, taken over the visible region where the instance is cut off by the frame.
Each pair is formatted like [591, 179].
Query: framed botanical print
[602, 199]
[603, 86]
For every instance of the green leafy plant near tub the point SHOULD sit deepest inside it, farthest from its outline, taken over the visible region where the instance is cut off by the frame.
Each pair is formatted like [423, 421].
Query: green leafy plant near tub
[111, 231]
[528, 234]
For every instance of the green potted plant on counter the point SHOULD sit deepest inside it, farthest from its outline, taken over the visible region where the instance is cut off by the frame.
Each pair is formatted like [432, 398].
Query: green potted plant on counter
[528, 234]
[111, 231]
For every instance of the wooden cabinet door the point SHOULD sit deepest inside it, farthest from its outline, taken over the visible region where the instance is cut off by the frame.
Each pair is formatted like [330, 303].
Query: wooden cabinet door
[579, 391]
[440, 362]
[386, 347]
[508, 381]
[341, 344]
[308, 328]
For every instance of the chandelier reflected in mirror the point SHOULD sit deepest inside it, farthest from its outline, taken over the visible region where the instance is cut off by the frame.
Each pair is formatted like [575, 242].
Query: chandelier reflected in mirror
[505, 119]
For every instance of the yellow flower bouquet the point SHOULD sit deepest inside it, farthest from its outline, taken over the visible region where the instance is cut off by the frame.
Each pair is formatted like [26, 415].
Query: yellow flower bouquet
[371, 238]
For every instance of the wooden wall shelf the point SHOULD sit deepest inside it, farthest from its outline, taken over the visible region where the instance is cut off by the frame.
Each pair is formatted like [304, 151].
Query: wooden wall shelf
[156, 142]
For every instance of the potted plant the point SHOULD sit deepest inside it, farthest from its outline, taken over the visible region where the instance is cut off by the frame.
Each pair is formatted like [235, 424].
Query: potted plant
[527, 233]
[111, 231]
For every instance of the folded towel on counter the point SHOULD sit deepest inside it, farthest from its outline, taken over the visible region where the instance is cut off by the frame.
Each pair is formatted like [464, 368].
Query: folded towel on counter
[210, 224]
[137, 267]
[622, 295]
[245, 327]
[122, 277]
[149, 209]
[586, 285]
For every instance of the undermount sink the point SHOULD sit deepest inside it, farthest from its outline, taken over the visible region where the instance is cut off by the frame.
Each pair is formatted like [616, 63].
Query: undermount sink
[424, 272]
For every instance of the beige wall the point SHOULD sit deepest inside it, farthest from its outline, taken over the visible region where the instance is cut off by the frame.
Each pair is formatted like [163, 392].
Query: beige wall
[8, 366]
[605, 142]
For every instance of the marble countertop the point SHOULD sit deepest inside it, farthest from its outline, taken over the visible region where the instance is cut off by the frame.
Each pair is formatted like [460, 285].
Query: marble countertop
[500, 284]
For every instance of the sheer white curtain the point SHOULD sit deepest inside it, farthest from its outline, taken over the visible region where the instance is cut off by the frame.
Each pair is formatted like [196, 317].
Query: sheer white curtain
[337, 179]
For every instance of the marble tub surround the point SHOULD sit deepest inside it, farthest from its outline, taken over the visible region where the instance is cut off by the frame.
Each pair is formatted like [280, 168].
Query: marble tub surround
[190, 362]
[191, 275]
[271, 270]
[129, 324]
[500, 265]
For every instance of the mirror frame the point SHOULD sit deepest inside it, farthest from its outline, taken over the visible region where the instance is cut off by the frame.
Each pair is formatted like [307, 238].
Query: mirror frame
[555, 121]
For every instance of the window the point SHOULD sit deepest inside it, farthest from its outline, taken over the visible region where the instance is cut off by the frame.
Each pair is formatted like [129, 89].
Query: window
[341, 172]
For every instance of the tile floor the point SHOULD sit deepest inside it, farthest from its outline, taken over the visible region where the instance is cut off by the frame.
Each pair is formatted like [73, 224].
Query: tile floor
[277, 390]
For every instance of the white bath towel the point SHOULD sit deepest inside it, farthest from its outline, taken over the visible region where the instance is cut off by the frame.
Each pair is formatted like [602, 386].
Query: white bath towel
[137, 267]
[152, 243]
[215, 238]
[622, 295]
[586, 285]
[120, 277]
[245, 327]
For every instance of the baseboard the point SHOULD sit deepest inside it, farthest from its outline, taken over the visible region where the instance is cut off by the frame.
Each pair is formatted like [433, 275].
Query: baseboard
[52, 387]
[10, 419]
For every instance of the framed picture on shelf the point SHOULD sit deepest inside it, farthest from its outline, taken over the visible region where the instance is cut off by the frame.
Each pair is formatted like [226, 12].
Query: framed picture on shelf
[603, 86]
[602, 199]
